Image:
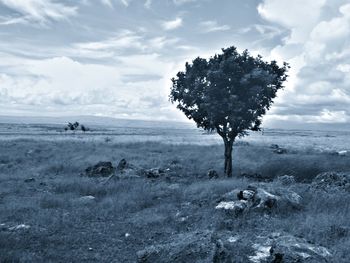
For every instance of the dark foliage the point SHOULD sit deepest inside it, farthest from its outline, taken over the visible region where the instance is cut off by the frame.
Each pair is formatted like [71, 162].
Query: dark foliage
[228, 93]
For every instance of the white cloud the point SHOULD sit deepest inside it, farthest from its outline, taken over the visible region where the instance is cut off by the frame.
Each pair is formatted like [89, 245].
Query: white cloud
[161, 42]
[107, 3]
[125, 2]
[13, 20]
[172, 24]
[298, 15]
[39, 10]
[213, 26]
[327, 116]
[318, 51]
[122, 41]
[61, 84]
[181, 2]
[148, 4]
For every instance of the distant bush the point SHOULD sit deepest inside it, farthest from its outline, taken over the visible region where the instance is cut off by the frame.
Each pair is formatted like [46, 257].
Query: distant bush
[75, 126]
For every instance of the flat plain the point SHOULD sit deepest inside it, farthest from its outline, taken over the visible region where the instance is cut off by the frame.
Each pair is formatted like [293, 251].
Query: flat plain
[51, 211]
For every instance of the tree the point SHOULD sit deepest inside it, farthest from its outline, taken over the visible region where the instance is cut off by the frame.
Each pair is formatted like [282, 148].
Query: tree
[228, 93]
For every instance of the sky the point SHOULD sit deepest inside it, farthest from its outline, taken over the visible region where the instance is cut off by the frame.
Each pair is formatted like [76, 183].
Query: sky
[115, 58]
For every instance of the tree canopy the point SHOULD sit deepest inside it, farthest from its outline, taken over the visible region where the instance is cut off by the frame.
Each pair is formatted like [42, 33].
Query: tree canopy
[228, 93]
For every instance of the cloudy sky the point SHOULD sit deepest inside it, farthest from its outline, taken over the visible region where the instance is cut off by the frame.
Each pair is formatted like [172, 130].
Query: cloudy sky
[116, 57]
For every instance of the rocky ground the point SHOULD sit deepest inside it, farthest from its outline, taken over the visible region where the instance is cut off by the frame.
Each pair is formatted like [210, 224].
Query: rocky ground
[149, 202]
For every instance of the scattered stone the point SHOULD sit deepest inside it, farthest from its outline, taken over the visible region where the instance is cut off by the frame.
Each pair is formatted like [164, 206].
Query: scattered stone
[330, 181]
[86, 200]
[174, 186]
[286, 179]
[29, 152]
[262, 253]
[29, 180]
[183, 219]
[278, 248]
[19, 227]
[287, 248]
[212, 174]
[342, 153]
[123, 164]
[246, 194]
[127, 235]
[259, 198]
[280, 151]
[237, 207]
[266, 248]
[233, 239]
[264, 199]
[101, 169]
[185, 247]
[277, 149]
[153, 173]
[3, 227]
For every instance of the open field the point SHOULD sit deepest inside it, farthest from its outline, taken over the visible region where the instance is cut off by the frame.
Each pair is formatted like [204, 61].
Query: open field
[42, 180]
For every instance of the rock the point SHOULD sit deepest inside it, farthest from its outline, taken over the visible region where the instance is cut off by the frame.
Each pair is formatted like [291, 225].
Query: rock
[342, 153]
[266, 248]
[123, 164]
[287, 248]
[3, 227]
[286, 179]
[330, 181]
[29, 152]
[259, 198]
[212, 174]
[246, 195]
[153, 173]
[264, 199]
[19, 227]
[194, 247]
[277, 149]
[174, 186]
[262, 253]
[101, 169]
[237, 207]
[29, 180]
[278, 248]
[89, 199]
[280, 151]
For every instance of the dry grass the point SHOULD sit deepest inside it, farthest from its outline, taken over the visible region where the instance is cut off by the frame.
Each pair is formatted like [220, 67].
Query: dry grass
[64, 229]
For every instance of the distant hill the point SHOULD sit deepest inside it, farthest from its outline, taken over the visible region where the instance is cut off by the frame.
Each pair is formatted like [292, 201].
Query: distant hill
[290, 125]
[113, 122]
[93, 120]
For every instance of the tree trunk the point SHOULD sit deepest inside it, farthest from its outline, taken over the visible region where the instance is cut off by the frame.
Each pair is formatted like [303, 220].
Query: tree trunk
[228, 157]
